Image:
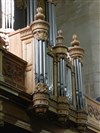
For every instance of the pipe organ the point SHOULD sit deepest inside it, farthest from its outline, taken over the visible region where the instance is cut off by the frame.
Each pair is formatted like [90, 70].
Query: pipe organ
[55, 68]
[52, 67]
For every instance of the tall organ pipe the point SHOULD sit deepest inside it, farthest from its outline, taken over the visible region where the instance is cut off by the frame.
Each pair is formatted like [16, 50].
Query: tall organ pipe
[7, 10]
[44, 62]
[64, 78]
[41, 60]
[50, 74]
[36, 50]
[50, 22]
[59, 78]
[54, 28]
[78, 77]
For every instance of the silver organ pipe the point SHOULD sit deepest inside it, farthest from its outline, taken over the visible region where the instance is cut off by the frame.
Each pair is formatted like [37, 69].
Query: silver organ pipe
[78, 77]
[80, 71]
[64, 78]
[69, 84]
[80, 89]
[61, 78]
[54, 27]
[45, 62]
[38, 56]
[36, 60]
[50, 74]
[76, 83]
[58, 78]
[52, 22]
[41, 60]
[31, 10]
[7, 9]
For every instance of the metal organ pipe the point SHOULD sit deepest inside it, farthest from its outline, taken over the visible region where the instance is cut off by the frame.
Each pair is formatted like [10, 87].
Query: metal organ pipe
[41, 60]
[80, 71]
[44, 62]
[50, 74]
[36, 45]
[81, 92]
[58, 78]
[54, 29]
[50, 22]
[62, 77]
[7, 9]
[78, 77]
[76, 83]
[31, 10]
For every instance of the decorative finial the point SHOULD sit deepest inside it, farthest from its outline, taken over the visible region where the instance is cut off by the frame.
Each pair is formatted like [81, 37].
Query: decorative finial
[60, 37]
[39, 14]
[75, 41]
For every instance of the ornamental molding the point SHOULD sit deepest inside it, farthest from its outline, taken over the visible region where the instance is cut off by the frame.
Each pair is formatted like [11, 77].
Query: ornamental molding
[93, 112]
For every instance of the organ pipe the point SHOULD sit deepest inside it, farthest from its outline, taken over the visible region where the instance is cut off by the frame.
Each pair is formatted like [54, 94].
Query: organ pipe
[52, 22]
[36, 60]
[59, 78]
[78, 78]
[41, 60]
[7, 9]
